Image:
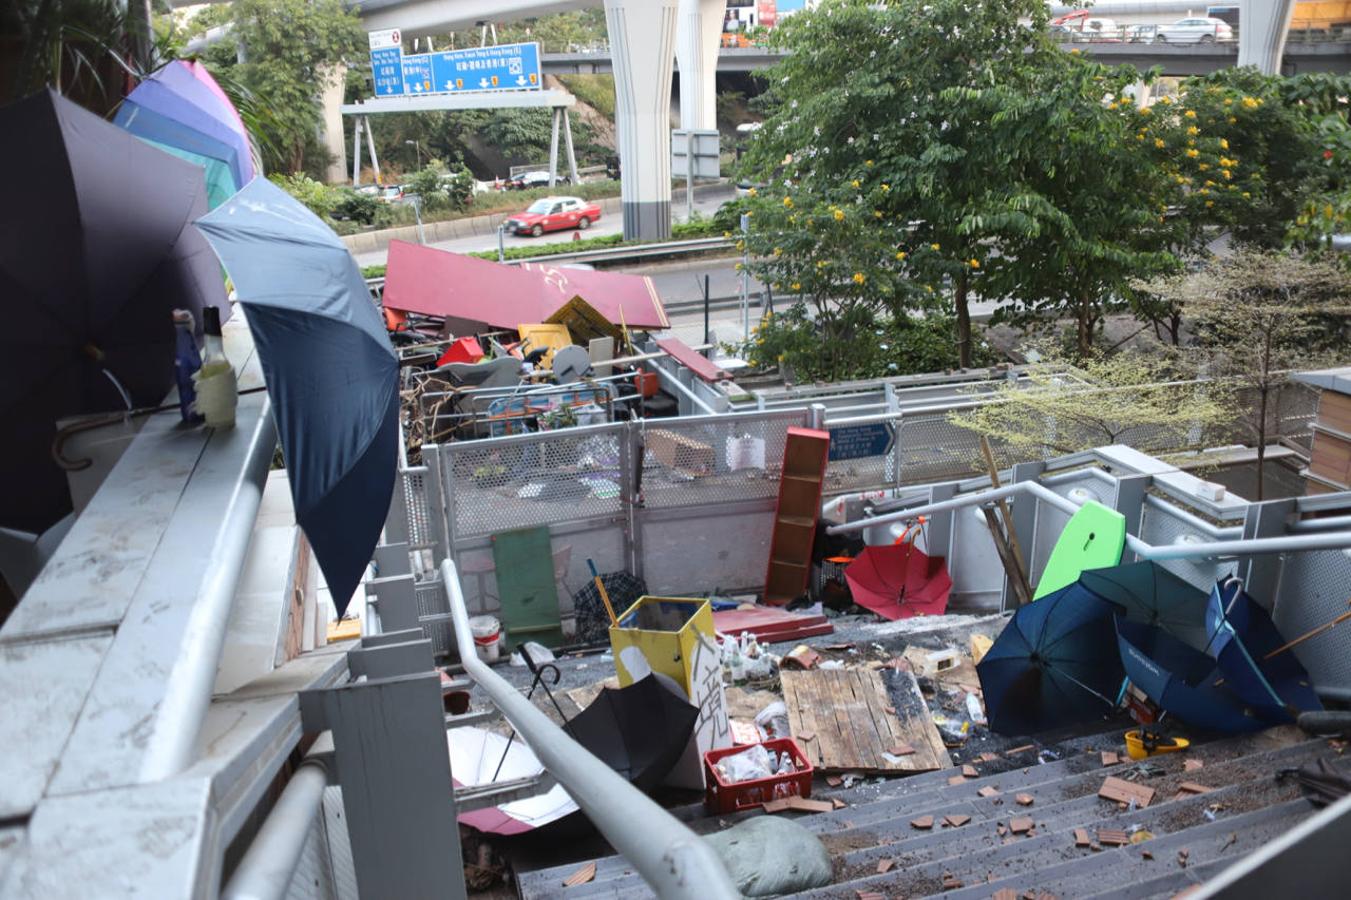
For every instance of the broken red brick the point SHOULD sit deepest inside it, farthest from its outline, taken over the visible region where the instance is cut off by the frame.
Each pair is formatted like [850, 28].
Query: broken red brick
[1191, 765]
[1081, 838]
[970, 771]
[890, 710]
[839, 804]
[834, 780]
[1024, 799]
[1123, 791]
[951, 882]
[1191, 787]
[1001, 830]
[869, 895]
[1145, 854]
[1004, 894]
[884, 866]
[957, 779]
[1109, 758]
[1110, 837]
[802, 804]
[775, 806]
[1020, 749]
[988, 791]
[956, 820]
[902, 750]
[1020, 825]
[987, 756]
[1182, 857]
[923, 822]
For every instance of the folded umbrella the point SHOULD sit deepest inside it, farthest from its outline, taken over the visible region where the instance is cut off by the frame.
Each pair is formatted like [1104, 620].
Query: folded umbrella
[640, 731]
[329, 368]
[1244, 641]
[1054, 664]
[897, 581]
[98, 251]
[1180, 679]
[1152, 595]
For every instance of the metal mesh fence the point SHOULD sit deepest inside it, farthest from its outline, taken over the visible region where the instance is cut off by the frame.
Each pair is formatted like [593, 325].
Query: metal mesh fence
[1160, 529]
[537, 479]
[720, 459]
[1314, 591]
[431, 601]
[414, 486]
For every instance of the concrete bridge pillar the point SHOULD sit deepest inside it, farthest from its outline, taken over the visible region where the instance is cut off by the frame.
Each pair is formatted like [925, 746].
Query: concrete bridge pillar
[1262, 28]
[642, 53]
[334, 80]
[698, 35]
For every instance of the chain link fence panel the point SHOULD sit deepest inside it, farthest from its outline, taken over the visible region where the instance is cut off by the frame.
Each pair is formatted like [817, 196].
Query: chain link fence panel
[713, 459]
[1314, 589]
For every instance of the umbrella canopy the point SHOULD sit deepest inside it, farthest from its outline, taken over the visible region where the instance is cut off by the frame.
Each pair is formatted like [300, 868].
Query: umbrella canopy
[897, 581]
[330, 370]
[177, 95]
[1243, 640]
[475, 754]
[1152, 595]
[98, 251]
[640, 731]
[1180, 679]
[194, 83]
[1053, 664]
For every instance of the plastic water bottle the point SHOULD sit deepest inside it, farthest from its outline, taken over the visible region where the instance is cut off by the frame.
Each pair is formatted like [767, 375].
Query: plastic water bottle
[186, 363]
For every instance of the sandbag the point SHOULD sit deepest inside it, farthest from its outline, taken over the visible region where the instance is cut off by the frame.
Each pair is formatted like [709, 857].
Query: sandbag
[768, 855]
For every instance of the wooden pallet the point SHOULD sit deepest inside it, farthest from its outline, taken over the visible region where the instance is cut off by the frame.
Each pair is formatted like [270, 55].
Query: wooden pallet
[845, 721]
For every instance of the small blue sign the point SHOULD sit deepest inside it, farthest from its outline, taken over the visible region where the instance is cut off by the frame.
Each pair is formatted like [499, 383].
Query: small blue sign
[506, 67]
[387, 68]
[859, 441]
[417, 74]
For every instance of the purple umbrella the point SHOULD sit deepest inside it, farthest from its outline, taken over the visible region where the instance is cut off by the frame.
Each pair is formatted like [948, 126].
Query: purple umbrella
[153, 94]
[194, 84]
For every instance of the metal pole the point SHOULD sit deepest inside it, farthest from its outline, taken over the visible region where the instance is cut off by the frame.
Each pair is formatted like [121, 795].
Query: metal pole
[356, 151]
[671, 859]
[417, 214]
[265, 871]
[370, 143]
[553, 146]
[501, 242]
[567, 144]
[745, 278]
[706, 302]
[689, 175]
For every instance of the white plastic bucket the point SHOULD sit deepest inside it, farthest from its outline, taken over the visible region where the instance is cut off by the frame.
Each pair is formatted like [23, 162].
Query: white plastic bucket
[487, 634]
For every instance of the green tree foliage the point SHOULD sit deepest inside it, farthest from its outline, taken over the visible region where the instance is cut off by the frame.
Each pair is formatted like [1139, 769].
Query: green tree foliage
[290, 49]
[559, 33]
[1258, 315]
[1060, 408]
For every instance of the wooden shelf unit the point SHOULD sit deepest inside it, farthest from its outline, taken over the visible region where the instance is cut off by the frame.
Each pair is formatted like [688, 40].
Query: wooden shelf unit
[805, 454]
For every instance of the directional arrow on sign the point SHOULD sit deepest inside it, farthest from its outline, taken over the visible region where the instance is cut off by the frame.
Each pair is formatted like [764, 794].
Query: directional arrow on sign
[450, 85]
[483, 82]
[520, 79]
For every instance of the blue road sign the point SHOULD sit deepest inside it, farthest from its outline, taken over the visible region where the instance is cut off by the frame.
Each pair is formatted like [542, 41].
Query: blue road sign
[859, 441]
[417, 74]
[506, 67]
[387, 67]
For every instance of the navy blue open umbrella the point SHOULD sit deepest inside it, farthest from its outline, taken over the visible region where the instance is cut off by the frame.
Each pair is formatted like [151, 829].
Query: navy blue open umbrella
[1053, 664]
[1152, 595]
[1183, 681]
[330, 371]
[1243, 640]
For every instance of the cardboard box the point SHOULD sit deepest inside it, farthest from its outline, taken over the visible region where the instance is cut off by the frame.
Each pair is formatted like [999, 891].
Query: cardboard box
[675, 451]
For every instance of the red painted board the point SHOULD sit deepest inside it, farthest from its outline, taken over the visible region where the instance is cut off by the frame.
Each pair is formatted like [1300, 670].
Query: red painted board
[770, 624]
[691, 359]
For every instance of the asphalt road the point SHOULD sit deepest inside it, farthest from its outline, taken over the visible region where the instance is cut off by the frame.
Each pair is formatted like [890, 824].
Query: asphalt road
[611, 224]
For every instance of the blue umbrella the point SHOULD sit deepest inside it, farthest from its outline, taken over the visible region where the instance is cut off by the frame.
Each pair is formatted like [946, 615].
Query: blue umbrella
[1152, 595]
[1053, 664]
[1243, 637]
[330, 370]
[1180, 679]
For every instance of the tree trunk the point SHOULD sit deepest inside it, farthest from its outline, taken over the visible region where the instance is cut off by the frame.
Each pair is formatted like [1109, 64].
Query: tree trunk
[1085, 317]
[1175, 328]
[1261, 441]
[963, 322]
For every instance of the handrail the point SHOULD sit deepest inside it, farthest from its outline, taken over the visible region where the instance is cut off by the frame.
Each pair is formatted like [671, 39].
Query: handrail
[671, 858]
[1208, 550]
[267, 867]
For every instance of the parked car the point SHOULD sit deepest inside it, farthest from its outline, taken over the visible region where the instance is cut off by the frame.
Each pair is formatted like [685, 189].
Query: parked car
[1195, 30]
[554, 214]
[535, 179]
[391, 193]
[1141, 34]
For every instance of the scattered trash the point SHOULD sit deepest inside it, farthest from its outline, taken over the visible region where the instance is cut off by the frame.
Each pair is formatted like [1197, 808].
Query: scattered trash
[773, 721]
[980, 645]
[975, 708]
[487, 635]
[832, 664]
[768, 856]
[1047, 755]
[955, 730]
[802, 657]
[538, 652]
[750, 764]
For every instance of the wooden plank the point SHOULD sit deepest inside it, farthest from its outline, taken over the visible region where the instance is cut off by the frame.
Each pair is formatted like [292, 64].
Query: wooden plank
[1123, 791]
[854, 724]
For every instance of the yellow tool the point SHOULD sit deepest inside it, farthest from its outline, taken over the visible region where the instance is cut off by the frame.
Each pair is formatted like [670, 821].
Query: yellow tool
[1141, 744]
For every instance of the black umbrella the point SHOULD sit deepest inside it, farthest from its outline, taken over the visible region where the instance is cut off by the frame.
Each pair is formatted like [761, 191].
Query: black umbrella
[639, 731]
[98, 250]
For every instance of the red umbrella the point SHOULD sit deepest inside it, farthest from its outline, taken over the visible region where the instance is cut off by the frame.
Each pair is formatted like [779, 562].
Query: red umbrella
[899, 580]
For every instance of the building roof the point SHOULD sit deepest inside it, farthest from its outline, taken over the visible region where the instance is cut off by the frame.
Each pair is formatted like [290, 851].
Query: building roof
[1338, 379]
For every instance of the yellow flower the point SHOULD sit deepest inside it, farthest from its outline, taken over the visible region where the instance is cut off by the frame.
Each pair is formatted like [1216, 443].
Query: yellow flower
[1210, 183]
[838, 214]
[935, 247]
[778, 251]
[1158, 142]
[975, 264]
[739, 267]
[885, 187]
[1247, 196]
[1191, 113]
[1224, 144]
[1192, 153]
[1210, 203]
[726, 234]
[1191, 142]
[752, 192]
[900, 254]
[1203, 167]
[877, 214]
[929, 288]
[1227, 174]
[1074, 51]
[1203, 191]
[1193, 130]
[741, 245]
[868, 163]
[1228, 101]
[787, 202]
[797, 285]
[792, 220]
[1327, 211]
[821, 264]
[1145, 111]
[854, 183]
[1231, 120]
[1249, 103]
[859, 278]
[1140, 136]
[1166, 101]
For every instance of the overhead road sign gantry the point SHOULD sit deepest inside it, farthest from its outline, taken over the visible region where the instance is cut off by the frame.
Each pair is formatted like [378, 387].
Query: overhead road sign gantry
[503, 67]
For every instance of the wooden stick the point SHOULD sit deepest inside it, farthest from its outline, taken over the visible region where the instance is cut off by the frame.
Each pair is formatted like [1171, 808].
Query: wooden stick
[1022, 588]
[604, 596]
[1008, 557]
[1308, 634]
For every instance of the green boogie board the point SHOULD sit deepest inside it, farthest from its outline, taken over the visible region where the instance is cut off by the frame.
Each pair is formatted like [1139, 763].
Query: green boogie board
[1093, 539]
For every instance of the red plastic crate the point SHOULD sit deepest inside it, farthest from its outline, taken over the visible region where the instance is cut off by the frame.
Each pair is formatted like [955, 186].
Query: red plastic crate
[728, 797]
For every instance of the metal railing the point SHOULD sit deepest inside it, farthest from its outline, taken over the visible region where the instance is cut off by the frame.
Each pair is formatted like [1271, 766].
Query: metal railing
[672, 859]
